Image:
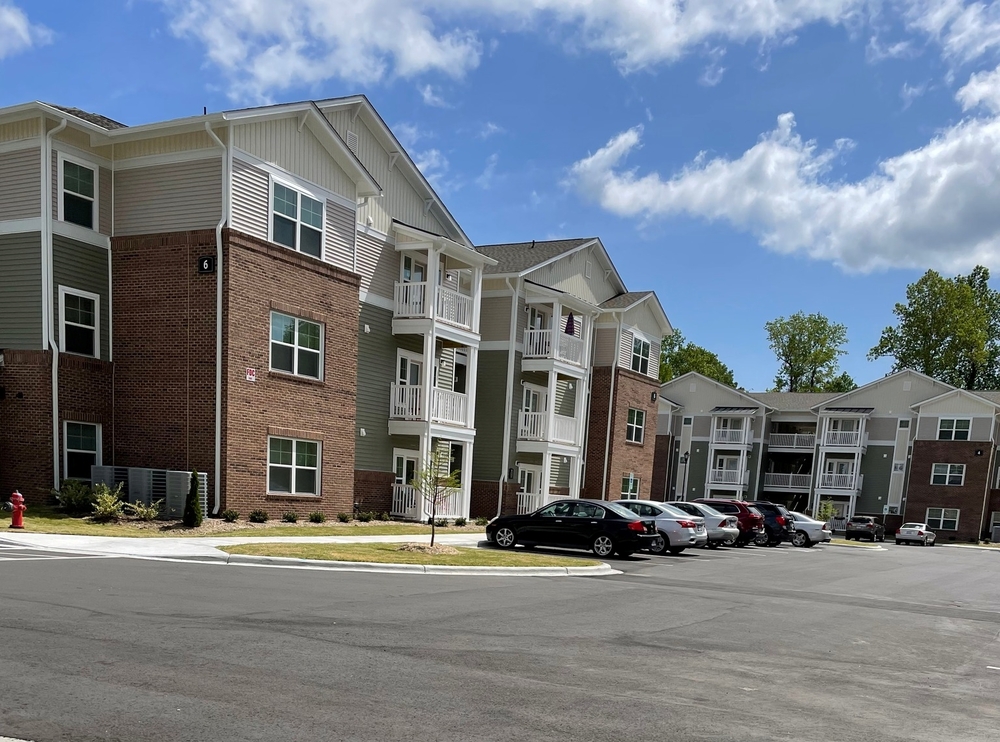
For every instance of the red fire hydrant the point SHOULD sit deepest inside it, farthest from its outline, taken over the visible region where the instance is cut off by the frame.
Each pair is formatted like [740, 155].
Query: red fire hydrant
[17, 510]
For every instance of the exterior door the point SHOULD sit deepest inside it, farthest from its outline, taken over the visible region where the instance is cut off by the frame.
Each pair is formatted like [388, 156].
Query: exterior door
[533, 400]
[406, 497]
[409, 371]
[537, 319]
[413, 272]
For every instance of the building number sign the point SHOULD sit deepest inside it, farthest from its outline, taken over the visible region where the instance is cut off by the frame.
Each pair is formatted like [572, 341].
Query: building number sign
[206, 264]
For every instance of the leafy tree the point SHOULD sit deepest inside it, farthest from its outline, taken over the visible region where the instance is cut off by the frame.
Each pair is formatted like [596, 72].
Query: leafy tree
[808, 347]
[678, 356]
[949, 328]
[434, 483]
[192, 507]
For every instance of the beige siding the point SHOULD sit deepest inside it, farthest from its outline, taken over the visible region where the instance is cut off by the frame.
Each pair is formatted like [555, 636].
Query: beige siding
[495, 285]
[21, 291]
[566, 397]
[298, 152]
[927, 428]
[192, 141]
[400, 200]
[982, 428]
[378, 264]
[168, 198]
[340, 235]
[643, 319]
[81, 140]
[569, 274]
[889, 396]
[882, 428]
[522, 320]
[495, 322]
[105, 185]
[559, 472]
[18, 130]
[20, 184]
[250, 193]
[957, 405]
[698, 396]
[604, 346]
[625, 349]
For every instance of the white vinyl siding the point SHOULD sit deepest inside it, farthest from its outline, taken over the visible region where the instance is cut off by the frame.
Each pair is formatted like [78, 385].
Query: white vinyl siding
[250, 199]
[168, 198]
[378, 264]
[340, 235]
[20, 184]
[625, 349]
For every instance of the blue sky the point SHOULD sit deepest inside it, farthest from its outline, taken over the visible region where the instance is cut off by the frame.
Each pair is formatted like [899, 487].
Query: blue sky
[745, 160]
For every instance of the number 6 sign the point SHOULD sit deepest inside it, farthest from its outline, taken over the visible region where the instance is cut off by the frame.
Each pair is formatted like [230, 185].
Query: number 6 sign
[206, 264]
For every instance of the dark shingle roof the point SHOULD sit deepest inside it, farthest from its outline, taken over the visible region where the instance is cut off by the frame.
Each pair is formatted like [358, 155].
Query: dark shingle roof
[734, 409]
[520, 256]
[624, 300]
[93, 118]
[992, 396]
[793, 401]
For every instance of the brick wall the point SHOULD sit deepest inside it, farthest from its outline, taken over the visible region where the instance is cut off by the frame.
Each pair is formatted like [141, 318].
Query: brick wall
[970, 498]
[85, 396]
[373, 490]
[26, 425]
[600, 390]
[662, 453]
[484, 499]
[262, 277]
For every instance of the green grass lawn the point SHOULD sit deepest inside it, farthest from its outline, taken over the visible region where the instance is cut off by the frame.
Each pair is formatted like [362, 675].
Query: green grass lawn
[390, 554]
[40, 519]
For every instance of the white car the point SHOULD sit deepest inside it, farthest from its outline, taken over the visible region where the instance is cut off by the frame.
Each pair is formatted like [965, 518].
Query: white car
[809, 531]
[678, 530]
[915, 533]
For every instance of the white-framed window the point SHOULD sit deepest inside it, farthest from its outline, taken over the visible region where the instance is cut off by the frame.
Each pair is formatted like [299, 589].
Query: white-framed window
[640, 355]
[293, 466]
[529, 478]
[81, 449]
[634, 427]
[296, 346]
[953, 474]
[687, 421]
[296, 220]
[904, 423]
[79, 322]
[78, 192]
[942, 519]
[630, 487]
[954, 428]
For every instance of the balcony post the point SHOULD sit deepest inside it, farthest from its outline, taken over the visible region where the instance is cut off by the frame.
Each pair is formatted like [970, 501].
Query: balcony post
[471, 378]
[431, 291]
[427, 382]
[466, 474]
[546, 476]
[556, 328]
[550, 411]
[574, 476]
[477, 296]
[580, 389]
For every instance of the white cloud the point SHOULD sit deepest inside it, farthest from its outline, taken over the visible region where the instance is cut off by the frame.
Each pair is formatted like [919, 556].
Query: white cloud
[712, 74]
[983, 89]
[485, 179]
[431, 98]
[966, 31]
[489, 129]
[910, 93]
[17, 33]
[935, 206]
[408, 134]
[435, 167]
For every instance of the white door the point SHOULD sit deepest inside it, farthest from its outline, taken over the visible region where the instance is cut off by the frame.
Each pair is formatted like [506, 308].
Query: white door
[409, 371]
[404, 498]
[537, 319]
[413, 272]
[839, 466]
[533, 400]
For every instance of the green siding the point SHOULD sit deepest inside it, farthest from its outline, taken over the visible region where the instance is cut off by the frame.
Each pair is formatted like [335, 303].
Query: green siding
[21, 291]
[491, 396]
[697, 472]
[755, 475]
[376, 372]
[877, 470]
[566, 397]
[559, 473]
[76, 265]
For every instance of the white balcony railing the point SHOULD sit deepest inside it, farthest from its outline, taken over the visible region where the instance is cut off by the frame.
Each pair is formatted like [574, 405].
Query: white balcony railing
[792, 440]
[449, 407]
[533, 426]
[729, 435]
[454, 308]
[564, 429]
[728, 476]
[850, 481]
[405, 402]
[405, 500]
[539, 344]
[410, 299]
[528, 502]
[843, 437]
[450, 506]
[787, 481]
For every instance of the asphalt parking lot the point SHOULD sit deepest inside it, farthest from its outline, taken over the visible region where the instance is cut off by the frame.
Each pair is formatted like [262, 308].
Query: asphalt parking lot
[830, 643]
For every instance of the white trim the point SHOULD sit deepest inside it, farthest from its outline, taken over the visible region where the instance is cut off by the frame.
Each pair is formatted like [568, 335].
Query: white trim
[170, 158]
[75, 153]
[81, 234]
[954, 429]
[319, 466]
[313, 190]
[63, 291]
[942, 519]
[376, 233]
[534, 469]
[295, 346]
[495, 293]
[17, 145]
[633, 355]
[641, 428]
[367, 297]
[65, 446]
[947, 475]
[271, 213]
[17, 226]
[958, 392]
[95, 201]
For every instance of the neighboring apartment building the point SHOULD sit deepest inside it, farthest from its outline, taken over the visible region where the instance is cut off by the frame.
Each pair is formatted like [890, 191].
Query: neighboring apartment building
[568, 379]
[201, 293]
[904, 446]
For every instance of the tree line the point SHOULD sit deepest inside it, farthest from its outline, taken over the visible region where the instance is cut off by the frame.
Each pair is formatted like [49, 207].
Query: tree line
[948, 328]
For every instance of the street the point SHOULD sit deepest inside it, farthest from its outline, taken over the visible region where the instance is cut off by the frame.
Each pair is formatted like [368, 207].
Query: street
[828, 643]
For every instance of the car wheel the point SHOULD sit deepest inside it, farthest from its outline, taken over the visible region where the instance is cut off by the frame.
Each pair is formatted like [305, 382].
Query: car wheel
[933, 542]
[603, 546]
[675, 550]
[761, 539]
[810, 544]
[505, 538]
[924, 542]
[712, 545]
[659, 544]
[800, 539]
[731, 541]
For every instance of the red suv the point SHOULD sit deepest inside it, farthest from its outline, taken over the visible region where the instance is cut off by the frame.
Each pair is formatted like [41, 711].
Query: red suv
[748, 518]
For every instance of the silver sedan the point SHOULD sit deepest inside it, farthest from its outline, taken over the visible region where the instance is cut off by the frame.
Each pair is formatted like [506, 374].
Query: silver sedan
[678, 530]
[915, 533]
[809, 531]
[722, 528]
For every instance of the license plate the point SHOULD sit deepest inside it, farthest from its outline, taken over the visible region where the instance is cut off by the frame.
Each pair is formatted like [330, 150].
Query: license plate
[699, 529]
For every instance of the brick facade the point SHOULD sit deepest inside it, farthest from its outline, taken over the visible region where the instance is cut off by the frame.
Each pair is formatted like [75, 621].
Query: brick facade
[970, 498]
[662, 459]
[484, 498]
[26, 420]
[373, 490]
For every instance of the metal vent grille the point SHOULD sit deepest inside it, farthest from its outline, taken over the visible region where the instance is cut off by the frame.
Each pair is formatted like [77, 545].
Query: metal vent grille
[352, 142]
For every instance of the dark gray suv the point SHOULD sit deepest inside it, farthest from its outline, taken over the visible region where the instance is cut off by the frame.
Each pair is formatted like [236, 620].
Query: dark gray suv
[778, 523]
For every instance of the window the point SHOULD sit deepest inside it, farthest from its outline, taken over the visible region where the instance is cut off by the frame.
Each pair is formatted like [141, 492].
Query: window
[633, 430]
[630, 487]
[296, 346]
[293, 466]
[942, 519]
[298, 221]
[82, 450]
[78, 322]
[78, 194]
[640, 355]
[688, 421]
[953, 474]
[903, 423]
[954, 429]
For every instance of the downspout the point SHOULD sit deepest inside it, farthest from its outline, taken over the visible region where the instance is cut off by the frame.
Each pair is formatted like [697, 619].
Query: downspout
[218, 318]
[590, 395]
[509, 395]
[47, 295]
[611, 399]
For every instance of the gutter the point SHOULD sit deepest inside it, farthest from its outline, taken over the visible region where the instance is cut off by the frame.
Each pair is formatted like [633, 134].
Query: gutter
[508, 395]
[218, 318]
[47, 278]
[611, 399]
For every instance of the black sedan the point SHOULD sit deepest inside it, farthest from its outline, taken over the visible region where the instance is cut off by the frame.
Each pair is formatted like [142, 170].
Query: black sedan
[602, 527]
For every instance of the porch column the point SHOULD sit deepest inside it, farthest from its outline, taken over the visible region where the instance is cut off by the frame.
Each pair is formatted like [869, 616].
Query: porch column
[433, 267]
[574, 477]
[556, 328]
[471, 375]
[550, 412]
[580, 388]
[428, 381]
[423, 462]
[466, 490]
[477, 297]
[546, 476]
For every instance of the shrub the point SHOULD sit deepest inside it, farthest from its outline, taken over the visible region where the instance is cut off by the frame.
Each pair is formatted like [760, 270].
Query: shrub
[108, 504]
[258, 516]
[344, 517]
[384, 516]
[441, 523]
[75, 497]
[290, 517]
[482, 520]
[365, 517]
[316, 517]
[142, 511]
[192, 508]
[230, 516]
[459, 522]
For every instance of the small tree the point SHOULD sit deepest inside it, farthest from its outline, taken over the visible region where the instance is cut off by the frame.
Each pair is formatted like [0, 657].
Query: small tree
[826, 510]
[192, 508]
[434, 483]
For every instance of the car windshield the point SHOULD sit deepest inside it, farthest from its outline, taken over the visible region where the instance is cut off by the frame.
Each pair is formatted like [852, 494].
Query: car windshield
[755, 511]
[708, 511]
[860, 520]
[621, 510]
[796, 515]
[671, 511]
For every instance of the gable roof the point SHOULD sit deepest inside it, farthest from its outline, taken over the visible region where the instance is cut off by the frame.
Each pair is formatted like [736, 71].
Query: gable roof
[93, 118]
[625, 301]
[905, 371]
[702, 377]
[521, 257]
[992, 399]
[793, 401]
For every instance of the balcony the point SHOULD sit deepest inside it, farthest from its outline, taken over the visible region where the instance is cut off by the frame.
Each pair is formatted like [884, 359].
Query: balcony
[406, 403]
[848, 482]
[800, 441]
[848, 438]
[563, 347]
[736, 436]
[729, 476]
[453, 307]
[533, 426]
[780, 480]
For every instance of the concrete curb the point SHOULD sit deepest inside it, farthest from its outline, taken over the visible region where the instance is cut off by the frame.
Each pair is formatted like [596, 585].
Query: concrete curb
[871, 547]
[970, 546]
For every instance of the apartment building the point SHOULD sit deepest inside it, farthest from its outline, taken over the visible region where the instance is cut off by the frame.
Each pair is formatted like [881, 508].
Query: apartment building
[200, 294]
[905, 446]
[568, 377]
